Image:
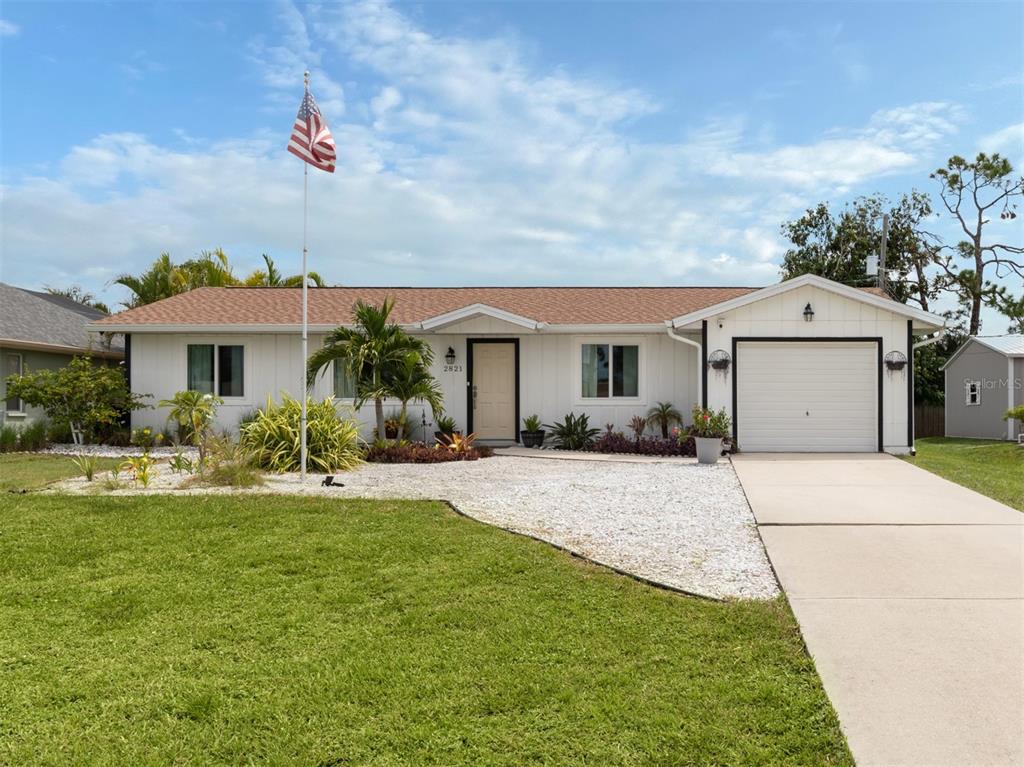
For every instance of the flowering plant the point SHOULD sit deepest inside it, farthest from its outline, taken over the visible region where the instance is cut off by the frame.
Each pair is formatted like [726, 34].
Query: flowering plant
[713, 424]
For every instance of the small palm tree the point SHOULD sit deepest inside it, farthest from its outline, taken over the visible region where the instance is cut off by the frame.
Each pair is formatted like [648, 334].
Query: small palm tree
[371, 353]
[411, 380]
[271, 277]
[162, 280]
[664, 415]
[194, 413]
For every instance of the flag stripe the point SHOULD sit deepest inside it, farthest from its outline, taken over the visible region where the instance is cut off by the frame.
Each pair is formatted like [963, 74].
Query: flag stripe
[311, 139]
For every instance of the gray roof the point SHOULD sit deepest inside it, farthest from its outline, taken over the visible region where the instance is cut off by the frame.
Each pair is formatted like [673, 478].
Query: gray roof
[1011, 346]
[29, 317]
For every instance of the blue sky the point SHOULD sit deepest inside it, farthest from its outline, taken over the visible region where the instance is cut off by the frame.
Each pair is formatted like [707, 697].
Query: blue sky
[482, 143]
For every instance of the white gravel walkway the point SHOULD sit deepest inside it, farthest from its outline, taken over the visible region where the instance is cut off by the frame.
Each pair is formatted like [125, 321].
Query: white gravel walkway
[673, 522]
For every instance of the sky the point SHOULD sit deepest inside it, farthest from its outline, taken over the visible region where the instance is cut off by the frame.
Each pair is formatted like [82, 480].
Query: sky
[488, 143]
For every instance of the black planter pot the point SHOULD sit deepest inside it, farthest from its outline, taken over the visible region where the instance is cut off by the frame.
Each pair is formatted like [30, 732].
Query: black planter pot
[532, 438]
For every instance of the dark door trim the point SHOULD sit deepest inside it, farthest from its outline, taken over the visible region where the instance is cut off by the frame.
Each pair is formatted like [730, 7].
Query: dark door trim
[470, 342]
[877, 340]
[910, 386]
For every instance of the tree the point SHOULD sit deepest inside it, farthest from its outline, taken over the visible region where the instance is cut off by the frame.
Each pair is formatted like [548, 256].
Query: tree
[971, 192]
[665, 416]
[194, 413]
[370, 353]
[411, 380]
[272, 278]
[929, 379]
[836, 246]
[87, 397]
[162, 280]
[79, 295]
[1009, 305]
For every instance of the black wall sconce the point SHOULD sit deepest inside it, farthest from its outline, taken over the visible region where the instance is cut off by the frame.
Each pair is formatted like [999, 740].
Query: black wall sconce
[808, 312]
[449, 357]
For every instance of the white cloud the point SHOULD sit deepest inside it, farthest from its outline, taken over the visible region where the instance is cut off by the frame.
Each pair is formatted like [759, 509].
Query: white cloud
[464, 164]
[1008, 141]
[8, 28]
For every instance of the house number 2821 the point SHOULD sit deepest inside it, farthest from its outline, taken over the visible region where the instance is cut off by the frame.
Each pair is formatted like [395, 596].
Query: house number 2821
[453, 368]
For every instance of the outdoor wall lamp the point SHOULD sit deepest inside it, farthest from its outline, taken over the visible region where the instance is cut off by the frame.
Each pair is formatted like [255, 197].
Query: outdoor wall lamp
[450, 356]
[808, 312]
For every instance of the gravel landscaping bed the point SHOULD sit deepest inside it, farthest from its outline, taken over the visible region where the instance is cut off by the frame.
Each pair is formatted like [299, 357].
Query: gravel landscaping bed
[108, 451]
[680, 524]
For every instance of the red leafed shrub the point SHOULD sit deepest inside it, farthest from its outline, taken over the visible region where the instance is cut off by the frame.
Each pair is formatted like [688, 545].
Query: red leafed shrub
[617, 442]
[420, 453]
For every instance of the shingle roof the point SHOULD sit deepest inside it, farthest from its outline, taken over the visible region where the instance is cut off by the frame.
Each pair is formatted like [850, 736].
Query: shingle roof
[29, 318]
[333, 306]
[1011, 346]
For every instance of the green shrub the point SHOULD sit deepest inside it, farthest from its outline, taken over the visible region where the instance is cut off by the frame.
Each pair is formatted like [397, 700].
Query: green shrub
[228, 464]
[86, 464]
[273, 437]
[573, 432]
[8, 439]
[1017, 413]
[34, 436]
[141, 467]
[710, 423]
[194, 413]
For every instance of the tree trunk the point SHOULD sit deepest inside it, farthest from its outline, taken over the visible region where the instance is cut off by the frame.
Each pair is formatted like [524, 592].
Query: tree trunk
[378, 407]
[979, 282]
[401, 423]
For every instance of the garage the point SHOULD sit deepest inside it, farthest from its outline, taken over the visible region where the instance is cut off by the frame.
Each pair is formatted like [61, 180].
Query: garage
[807, 395]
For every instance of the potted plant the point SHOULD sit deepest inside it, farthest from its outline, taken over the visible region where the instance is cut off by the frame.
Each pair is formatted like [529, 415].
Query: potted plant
[446, 429]
[709, 428]
[532, 435]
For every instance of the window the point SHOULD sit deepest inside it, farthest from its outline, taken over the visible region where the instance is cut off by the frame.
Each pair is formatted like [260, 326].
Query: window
[344, 383]
[973, 391]
[13, 368]
[610, 370]
[217, 369]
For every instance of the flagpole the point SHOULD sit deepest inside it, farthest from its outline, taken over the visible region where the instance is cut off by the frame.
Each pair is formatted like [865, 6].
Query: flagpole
[305, 307]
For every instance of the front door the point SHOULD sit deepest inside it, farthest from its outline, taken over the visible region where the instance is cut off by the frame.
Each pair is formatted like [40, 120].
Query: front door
[493, 390]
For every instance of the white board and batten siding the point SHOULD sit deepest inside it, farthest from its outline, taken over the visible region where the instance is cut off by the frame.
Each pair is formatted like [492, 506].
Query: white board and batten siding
[549, 375]
[839, 379]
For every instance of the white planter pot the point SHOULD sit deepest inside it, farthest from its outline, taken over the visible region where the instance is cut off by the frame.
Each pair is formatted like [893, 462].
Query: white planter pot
[709, 449]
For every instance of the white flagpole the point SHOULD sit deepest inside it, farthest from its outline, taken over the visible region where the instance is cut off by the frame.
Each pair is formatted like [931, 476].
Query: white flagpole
[305, 307]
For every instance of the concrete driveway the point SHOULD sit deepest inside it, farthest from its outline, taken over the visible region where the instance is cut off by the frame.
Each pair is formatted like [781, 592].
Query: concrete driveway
[909, 591]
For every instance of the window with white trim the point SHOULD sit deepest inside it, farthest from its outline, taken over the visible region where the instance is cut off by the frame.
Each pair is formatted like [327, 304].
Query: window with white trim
[216, 369]
[609, 371]
[12, 367]
[344, 383]
[972, 392]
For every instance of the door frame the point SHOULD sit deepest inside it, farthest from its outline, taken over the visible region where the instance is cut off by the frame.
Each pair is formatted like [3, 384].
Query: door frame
[469, 379]
[876, 340]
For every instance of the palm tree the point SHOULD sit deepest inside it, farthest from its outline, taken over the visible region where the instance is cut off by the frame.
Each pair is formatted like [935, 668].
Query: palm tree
[371, 353]
[210, 270]
[272, 278]
[411, 380]
[162, 280]
[664, 415]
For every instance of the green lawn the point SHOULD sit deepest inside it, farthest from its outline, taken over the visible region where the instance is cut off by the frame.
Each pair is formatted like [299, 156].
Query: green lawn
[28, 471]
[284, 630]
[995, 469]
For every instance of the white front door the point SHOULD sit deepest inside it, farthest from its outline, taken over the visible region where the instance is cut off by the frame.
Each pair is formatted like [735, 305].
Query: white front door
[808, 396]
[494, 390]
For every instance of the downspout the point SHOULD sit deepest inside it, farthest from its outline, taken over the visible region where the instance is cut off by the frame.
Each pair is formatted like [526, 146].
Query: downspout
[682, 339]
[926, 342]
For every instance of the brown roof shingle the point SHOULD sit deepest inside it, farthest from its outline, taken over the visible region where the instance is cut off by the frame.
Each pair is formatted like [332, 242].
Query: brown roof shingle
[333, 306]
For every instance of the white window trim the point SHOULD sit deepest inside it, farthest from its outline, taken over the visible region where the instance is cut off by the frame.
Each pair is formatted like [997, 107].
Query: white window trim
[20, 413]
[246, 366]
[577, 376]
[967, 393]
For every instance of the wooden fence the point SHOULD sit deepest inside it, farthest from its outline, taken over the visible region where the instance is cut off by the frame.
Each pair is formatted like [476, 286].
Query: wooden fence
[929, 421]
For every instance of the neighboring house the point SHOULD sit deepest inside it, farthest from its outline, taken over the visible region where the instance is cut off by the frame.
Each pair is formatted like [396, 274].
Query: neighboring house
[805, 356]
[984, 379]
[43, 332]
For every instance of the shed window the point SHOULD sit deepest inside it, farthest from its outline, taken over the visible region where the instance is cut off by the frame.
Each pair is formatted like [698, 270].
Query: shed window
[12, 365]
[219, 369]
[973, 392]
[610, 370]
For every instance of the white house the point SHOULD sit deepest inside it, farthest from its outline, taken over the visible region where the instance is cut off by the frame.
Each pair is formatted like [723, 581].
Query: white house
[804, 365]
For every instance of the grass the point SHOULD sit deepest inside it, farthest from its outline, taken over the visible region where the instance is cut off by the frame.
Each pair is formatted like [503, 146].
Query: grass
[30, 471]
[286, 630]
[995, 469]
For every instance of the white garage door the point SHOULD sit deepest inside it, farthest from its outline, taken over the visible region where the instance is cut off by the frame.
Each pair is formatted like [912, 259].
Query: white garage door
[807, 397]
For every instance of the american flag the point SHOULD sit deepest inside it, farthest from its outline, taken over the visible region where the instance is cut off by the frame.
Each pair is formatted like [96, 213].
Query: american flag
[311, 138]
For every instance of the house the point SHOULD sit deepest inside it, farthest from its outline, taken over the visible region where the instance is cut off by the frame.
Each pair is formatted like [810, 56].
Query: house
[39, 331]
[984, 379]
[800, 366]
